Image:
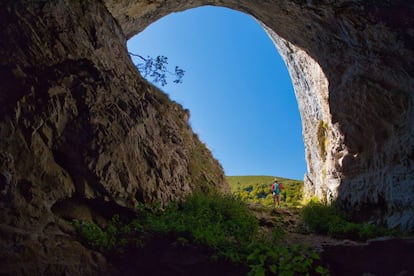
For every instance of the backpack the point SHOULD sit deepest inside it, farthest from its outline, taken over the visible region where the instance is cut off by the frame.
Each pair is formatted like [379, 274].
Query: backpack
[276, 188]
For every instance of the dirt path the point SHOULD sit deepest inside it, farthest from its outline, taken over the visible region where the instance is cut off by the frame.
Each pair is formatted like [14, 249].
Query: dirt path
[289, 220]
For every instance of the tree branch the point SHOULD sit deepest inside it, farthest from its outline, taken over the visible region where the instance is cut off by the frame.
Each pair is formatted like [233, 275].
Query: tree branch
[136, 55]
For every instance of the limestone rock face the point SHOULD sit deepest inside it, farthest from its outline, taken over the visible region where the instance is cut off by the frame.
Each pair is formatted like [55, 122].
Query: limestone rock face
[84, 136]
[351, 64]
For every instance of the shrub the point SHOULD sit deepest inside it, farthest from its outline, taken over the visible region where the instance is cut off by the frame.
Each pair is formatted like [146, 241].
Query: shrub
[222, 223]
[318, 217]
[113, 238]
[92, 235]
[216, 220]
[267, 258]
[330, 220]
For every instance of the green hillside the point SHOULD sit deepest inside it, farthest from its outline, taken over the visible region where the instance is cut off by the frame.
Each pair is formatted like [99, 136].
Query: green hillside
[256, 189]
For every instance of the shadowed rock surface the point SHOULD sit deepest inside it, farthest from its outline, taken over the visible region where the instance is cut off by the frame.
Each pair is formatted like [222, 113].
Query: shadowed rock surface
[377, 257]
[84, 136]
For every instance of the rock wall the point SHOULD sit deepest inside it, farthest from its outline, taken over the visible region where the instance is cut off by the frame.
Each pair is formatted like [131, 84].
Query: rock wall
[311, 90]
[351, 63]
[83, 136]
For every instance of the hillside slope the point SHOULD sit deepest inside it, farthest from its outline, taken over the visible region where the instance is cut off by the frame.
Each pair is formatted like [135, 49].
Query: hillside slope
[257, 189]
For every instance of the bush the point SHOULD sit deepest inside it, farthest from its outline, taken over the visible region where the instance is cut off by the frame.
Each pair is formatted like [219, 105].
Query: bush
[331, 221]
[319, 217]
[113, 238]
[92, 235]
[265, 258]
[217, 221]
[222, 223]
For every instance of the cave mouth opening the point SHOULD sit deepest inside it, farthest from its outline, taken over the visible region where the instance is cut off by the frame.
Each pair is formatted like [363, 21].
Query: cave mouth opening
[236, 86]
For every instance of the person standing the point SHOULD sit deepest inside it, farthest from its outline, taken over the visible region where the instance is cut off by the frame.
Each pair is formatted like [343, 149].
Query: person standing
[276, 191]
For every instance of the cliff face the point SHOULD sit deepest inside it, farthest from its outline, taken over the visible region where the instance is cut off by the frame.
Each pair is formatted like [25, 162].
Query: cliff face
[351, 63]
[82, 135]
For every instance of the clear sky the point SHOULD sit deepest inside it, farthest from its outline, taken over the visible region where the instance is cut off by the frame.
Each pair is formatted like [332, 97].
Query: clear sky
[236, 87]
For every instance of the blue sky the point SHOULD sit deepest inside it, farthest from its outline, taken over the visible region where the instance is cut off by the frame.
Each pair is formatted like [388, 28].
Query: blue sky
[236, 87]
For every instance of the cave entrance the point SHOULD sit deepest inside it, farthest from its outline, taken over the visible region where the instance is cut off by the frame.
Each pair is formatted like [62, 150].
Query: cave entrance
[236, 87]
[349, 64]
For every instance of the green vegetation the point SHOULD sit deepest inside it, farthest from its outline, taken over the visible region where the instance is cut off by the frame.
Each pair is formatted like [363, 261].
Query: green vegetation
[322, 139]
[222, 223]
[317, 217]
[281, 260]
[331, 221]
[229, 229]
[257, 189]
[112, 238]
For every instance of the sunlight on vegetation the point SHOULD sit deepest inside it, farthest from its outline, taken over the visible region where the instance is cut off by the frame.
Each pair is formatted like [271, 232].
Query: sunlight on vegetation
[317, 217]
[330, 220]
[220, 222]
[257, 189]
[229, 228]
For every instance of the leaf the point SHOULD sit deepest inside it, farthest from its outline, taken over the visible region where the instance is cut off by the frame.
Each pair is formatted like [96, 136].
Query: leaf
[273, 268]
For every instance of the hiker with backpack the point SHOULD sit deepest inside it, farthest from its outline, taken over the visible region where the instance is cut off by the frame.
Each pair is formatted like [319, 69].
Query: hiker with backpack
[276, 191]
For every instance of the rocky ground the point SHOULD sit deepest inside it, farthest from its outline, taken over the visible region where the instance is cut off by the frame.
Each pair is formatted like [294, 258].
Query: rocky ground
[381, 256]
[164, 256]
